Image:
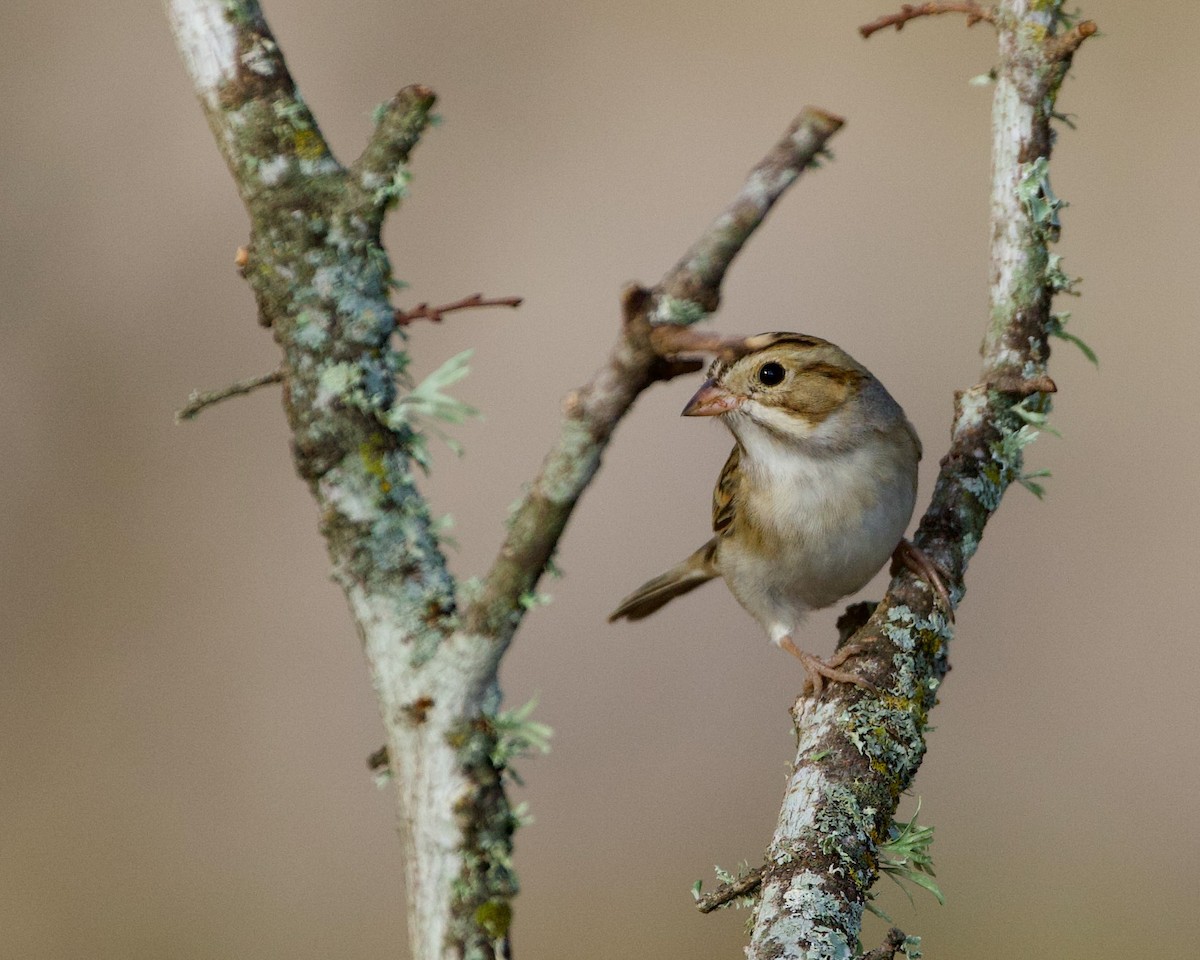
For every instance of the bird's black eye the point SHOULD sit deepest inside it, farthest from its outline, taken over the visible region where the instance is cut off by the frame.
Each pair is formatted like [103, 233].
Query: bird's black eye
[770, 374]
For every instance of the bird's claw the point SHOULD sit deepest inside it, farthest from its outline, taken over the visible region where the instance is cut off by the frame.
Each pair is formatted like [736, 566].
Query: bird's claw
[909, 555]
[817, 671]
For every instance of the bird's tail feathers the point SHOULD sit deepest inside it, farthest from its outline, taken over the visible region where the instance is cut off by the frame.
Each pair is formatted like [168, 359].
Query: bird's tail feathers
[697, 569]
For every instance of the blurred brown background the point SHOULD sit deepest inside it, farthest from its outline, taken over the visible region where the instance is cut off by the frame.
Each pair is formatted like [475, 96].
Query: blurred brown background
[185, 709]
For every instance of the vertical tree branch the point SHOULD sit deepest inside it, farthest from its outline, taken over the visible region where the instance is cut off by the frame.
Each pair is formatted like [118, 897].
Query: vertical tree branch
[856, 753]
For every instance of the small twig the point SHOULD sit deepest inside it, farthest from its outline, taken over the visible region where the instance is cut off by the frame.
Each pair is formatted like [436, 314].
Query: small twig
[1022, 387]
[197, 401]
[671, 340]
[910, 11]
[892, 944]
[728, 892]
[399, 124]
[1062, 48]
[379, 760]
[423, 311]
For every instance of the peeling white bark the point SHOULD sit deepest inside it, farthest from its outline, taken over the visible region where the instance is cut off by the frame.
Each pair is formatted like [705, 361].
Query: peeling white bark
[208, 43]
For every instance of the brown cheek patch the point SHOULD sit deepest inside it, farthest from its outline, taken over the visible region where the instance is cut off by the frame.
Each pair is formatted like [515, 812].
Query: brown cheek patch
[821, 389]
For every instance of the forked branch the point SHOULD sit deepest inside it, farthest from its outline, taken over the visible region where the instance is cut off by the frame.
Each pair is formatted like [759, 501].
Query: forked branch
[321, 280]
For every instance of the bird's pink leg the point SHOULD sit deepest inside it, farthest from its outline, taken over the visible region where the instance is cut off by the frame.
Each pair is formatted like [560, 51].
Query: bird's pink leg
[817, 671]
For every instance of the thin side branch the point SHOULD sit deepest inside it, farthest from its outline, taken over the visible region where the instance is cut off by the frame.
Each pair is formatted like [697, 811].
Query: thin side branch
[975, 13]
[688, 292]
[728, 892]
[1062, 48]
[380, 169]
[423, 311]
[892, 944]
[198, 401]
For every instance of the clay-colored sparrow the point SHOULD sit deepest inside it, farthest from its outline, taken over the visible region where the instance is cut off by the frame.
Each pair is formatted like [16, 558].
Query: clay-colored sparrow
[814, 497]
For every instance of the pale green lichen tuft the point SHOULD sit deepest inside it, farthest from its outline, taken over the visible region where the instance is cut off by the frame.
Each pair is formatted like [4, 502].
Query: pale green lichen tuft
[905, 856]
[518, 736]
[1056, 328]
[676, 310]
[484, 890]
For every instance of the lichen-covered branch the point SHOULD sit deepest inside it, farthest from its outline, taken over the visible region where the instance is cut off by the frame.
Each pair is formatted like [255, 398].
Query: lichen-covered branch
[731, 892]
[856, 753]
[694, 283]
[321, 280]
[201, 400]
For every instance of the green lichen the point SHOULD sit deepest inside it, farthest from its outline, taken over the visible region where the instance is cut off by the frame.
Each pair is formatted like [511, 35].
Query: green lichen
[676, 310]
[484, 890]
[845, 828]
[814, 918]
[905, 856]
[518, 736]
[1036, 195]
[888, 732]
[1019, 425]
[388, 193]
[1058, 322]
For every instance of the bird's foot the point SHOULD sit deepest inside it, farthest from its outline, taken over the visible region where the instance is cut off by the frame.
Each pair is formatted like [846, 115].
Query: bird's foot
[909, 555]
[817, 671]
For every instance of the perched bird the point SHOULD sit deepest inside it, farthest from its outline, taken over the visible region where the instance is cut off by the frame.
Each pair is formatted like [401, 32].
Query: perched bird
[813, 499]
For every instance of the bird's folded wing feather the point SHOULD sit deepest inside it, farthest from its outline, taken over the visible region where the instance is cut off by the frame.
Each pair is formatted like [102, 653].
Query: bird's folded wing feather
[724, 494]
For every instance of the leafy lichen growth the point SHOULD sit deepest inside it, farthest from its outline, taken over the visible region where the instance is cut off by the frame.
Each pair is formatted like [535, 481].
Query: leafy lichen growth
[484, 890]
[812, 928]
[676, 310]
[905, 855]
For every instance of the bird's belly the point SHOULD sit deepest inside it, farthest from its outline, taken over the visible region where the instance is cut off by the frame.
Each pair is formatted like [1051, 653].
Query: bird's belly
[817, 542]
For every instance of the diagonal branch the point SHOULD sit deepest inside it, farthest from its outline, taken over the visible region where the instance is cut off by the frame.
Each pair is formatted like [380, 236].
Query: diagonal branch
[857, 753]
[688, 292]
[262, 125]
[695, 281]
[380, 169]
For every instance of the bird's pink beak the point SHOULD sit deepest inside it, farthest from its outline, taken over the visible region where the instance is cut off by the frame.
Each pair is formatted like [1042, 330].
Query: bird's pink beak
[711, 401]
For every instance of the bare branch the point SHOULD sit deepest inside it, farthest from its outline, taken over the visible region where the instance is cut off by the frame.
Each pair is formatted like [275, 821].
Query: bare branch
[1063, 47]
[688, 292]
[198, 401]
[909, 11]
[892, 944]
[423, 311]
